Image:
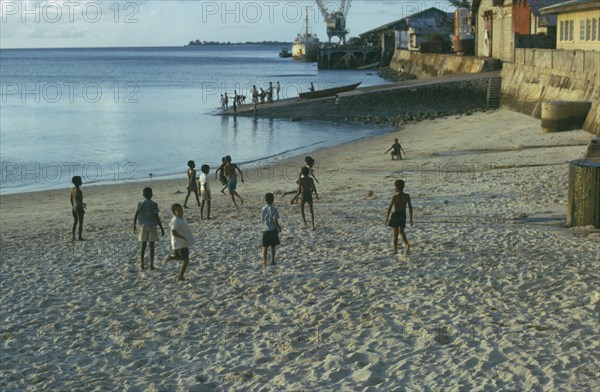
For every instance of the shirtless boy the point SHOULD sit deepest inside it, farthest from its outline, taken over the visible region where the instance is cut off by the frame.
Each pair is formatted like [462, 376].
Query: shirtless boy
[399, 201]
[306, 187]
[230, 173]
[396, 148]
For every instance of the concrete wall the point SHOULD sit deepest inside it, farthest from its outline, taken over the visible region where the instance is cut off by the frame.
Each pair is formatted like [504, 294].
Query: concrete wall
[577, 61]
[432, 65]
[543, 75]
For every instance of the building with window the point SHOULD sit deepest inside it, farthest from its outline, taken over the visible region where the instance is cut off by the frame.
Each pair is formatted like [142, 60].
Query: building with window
[411, 31]
[503, 25]
[578, 23]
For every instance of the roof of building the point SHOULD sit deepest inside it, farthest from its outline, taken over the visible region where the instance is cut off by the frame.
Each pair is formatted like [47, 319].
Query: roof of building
[571, 5]
[536, 6]
[404, 23]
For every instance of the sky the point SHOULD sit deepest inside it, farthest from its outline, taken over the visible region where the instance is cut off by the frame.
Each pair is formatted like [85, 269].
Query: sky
[113, 23]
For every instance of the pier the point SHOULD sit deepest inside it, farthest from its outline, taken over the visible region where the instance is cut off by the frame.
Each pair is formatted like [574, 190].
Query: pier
[393, 102]
[348, 57]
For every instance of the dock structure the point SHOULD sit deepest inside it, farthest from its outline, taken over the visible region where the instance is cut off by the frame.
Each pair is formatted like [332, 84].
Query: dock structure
[348, 57]
[412, 99]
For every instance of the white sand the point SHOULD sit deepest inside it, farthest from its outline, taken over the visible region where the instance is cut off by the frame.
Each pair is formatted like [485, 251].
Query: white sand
[497, 295]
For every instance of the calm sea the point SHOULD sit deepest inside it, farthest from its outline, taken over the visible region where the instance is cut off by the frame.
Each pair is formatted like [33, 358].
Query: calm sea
[121, 114]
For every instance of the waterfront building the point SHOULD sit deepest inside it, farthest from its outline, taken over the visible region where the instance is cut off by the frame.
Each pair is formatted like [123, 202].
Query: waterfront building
[501, 26]
[578, 24]
[411, 31]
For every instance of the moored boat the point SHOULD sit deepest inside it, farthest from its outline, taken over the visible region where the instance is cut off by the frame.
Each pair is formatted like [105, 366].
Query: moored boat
[284, 53]
[328, 92]
[306, 45]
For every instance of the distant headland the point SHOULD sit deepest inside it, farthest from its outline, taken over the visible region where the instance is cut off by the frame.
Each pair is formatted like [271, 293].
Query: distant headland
[200, 43]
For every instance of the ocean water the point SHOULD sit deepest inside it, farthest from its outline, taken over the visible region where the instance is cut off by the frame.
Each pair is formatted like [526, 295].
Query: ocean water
[123, 114]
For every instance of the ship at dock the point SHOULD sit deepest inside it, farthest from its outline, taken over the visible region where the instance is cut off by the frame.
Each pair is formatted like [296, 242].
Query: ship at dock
[306, 45]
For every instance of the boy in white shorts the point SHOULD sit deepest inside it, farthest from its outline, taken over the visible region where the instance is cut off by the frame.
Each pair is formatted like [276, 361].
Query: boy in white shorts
[147, 216]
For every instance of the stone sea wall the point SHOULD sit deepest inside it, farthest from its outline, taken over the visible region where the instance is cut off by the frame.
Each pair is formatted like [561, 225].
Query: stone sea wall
[393, 103]
[540, 75]
[432, 65]
[450, 84]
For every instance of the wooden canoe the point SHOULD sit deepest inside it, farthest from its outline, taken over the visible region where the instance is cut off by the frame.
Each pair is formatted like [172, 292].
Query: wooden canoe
[328, 92]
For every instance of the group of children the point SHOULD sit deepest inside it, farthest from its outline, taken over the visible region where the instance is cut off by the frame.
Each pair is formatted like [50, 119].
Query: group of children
[264, 95]
[261, 96]
[147, 216]
[199, 187]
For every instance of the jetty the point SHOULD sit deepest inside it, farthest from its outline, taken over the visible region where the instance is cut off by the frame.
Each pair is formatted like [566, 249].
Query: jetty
[408, 100]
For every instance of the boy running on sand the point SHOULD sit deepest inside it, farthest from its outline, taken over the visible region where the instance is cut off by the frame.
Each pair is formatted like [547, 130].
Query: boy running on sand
[220, 174]
[306, 187]
[310, 162]
[181, 239]
[399, 201]
[192, 186]
[270, 225]
[230, 173]
[204, 191]
[147, 216]
[77, 206]
[396, 148]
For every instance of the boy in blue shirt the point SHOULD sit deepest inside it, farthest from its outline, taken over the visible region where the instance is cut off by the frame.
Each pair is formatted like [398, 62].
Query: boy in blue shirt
[147, 216]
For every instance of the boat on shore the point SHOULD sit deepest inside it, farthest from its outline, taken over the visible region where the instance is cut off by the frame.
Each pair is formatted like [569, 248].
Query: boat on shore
[284, 53]
[328, 92]
[306, 45]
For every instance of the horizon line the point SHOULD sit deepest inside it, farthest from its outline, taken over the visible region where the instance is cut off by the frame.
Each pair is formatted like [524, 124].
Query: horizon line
[150, 46]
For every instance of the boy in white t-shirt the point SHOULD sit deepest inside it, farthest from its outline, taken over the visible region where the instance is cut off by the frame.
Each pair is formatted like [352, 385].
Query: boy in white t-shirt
[204, 191]
[271, 228]
[181, 239]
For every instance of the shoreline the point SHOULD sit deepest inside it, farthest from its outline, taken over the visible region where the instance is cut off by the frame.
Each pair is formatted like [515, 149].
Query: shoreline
[279, 158]
[142, 111]
[497, 292]
[280, 171]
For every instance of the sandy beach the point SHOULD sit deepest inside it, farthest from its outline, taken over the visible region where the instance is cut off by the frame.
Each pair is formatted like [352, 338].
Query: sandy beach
[497, 294]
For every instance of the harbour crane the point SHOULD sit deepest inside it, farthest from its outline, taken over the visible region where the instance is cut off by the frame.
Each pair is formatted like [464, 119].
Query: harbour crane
[336, 20]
